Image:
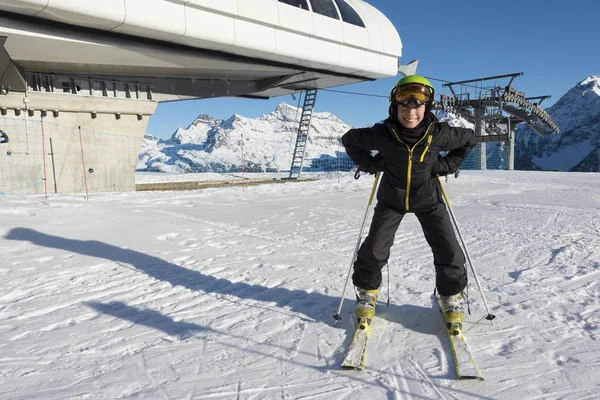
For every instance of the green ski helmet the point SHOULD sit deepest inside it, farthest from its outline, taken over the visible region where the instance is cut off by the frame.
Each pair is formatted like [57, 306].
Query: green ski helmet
[416, 82]
[414, 79]
[413, 88]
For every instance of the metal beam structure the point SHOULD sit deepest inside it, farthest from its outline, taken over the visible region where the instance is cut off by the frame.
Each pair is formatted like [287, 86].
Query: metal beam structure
[493, 107]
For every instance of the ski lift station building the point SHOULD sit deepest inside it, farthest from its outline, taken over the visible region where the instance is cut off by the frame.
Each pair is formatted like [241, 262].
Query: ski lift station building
[103, 66]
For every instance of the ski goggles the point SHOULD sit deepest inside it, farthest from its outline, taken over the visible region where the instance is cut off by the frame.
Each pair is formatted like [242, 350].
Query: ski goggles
[406, 94]
[411, 102]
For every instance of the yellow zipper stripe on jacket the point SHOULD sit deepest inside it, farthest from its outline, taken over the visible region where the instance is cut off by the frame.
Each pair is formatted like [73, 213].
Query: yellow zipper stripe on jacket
[426, 148]
[410, 162]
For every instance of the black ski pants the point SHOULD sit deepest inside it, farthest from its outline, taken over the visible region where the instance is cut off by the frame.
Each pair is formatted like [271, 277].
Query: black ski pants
[448, 257]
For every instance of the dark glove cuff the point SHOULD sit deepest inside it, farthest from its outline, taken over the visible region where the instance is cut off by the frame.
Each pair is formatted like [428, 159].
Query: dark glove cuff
[364, 164]
[370, 165]
[441, 167]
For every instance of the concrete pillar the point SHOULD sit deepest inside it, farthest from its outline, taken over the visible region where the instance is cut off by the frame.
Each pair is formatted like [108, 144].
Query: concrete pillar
[111, 130]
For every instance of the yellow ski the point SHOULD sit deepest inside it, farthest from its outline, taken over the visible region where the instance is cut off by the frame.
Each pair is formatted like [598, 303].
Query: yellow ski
[356, 356]
[466, 367]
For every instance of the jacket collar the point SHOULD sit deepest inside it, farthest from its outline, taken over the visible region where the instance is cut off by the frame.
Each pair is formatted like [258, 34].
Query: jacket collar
[410, 136]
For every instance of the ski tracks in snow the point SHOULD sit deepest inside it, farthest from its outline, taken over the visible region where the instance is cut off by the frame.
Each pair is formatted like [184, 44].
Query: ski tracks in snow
[203, 298]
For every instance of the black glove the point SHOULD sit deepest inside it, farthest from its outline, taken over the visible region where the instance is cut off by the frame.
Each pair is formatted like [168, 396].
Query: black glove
[372, 165]
[442, 168]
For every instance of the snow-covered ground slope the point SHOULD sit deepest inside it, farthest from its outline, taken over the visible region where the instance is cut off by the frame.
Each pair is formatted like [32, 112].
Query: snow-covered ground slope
[224, 294]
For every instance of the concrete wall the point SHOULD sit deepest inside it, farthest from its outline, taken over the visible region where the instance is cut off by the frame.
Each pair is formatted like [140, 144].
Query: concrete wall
[45, 152]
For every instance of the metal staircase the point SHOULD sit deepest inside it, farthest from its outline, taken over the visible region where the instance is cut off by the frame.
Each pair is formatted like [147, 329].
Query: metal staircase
[310, 97]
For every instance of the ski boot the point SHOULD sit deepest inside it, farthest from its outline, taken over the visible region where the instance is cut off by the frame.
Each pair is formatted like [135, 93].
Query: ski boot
[453, 312]
[366, 301]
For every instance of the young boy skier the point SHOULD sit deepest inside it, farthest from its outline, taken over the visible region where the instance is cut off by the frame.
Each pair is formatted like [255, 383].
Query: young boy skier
[409, 143]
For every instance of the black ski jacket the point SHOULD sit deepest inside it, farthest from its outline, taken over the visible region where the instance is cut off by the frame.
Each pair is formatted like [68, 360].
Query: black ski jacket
[409, 182]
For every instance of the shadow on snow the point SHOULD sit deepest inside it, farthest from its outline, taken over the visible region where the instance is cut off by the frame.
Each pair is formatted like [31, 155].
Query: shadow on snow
[315, 306]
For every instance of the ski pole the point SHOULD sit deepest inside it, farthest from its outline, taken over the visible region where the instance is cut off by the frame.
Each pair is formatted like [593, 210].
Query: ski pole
[337, 316]
[490, 316]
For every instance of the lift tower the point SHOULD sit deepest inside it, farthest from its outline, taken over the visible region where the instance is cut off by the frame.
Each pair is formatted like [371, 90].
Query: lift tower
[495, 110]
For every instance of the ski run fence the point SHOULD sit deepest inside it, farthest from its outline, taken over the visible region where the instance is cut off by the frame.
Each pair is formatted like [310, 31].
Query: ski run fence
[44, 158]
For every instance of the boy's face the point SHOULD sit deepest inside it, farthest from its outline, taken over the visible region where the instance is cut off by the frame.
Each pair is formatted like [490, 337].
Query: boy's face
[410, 117]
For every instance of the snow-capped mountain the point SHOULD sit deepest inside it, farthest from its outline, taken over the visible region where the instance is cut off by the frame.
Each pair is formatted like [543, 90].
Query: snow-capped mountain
[215, 145]
[266, 144]
[263, 144]
[577, 146]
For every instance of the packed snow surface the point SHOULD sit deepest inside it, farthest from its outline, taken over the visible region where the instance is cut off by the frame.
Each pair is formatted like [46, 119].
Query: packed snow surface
[229, 294]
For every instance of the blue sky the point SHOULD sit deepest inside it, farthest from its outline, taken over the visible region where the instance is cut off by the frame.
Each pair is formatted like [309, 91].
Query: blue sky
[553, 42]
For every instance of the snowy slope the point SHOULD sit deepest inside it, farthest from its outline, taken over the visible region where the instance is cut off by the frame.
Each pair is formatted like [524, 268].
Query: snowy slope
[224, 294]
[577, 146]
